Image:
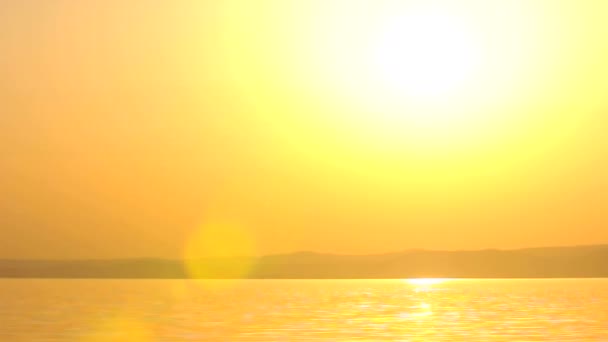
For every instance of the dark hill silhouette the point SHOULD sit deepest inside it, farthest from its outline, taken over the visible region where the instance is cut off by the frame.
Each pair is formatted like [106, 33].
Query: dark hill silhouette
[548, 262]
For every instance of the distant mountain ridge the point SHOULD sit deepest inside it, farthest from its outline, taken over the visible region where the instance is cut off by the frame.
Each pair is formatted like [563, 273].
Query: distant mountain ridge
[542, 262]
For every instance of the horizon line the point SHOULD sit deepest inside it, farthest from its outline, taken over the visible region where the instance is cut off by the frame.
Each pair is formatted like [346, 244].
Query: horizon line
[309, 252]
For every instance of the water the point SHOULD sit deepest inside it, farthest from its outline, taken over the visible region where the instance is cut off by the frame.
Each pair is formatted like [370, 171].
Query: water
[303, 310]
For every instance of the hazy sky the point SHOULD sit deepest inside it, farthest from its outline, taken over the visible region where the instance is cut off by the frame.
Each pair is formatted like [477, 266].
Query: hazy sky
[126, 127]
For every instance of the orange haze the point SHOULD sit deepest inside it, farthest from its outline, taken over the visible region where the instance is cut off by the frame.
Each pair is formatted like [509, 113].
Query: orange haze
[127, 127]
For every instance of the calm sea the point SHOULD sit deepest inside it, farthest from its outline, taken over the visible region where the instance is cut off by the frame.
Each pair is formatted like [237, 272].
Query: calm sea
[304, 310]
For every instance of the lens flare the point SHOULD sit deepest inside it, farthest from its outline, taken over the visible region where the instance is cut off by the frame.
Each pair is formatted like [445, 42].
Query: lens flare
[219, 250]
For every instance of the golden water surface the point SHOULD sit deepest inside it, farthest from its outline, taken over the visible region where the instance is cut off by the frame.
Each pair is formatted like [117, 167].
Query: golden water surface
[304, 310]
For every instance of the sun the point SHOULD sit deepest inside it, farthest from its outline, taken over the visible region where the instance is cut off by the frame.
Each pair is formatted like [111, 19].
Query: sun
[410, 72]
[424, 54]
[426, 64]
[422, 81]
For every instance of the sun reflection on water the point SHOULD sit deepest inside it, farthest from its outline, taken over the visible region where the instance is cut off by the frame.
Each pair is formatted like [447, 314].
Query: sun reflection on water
[423, 308]
[418, 311]
[426, 281]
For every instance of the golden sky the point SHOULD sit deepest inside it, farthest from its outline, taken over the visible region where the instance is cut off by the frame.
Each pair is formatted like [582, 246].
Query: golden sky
[128, 128]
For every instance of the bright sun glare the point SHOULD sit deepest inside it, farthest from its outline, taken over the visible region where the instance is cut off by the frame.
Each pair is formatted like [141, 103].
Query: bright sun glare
[424, 61]
[432, 75]
[424, 54]
[428, 81]
[412, 70]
